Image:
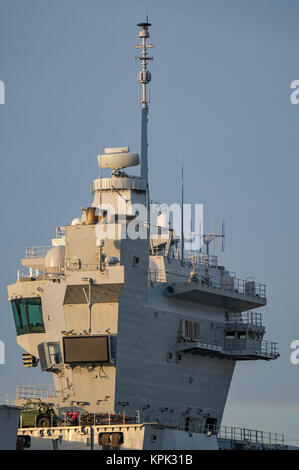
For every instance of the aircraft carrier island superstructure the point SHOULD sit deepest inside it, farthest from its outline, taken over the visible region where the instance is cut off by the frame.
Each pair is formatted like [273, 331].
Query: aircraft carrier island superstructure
[134, 326]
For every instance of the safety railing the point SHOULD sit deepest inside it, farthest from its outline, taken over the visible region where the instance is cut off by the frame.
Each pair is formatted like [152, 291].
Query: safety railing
[251, 347]
[250, 435]
[71, 416]
[196, 258]
[192, 258]
[76, 265]
[246, 318]
[234, 434]
[35, 392]
[233, 346]
[30, 274]
[37, 251]
[60, 232]
[269, 348]
[157, 275]
[233, 284]
[226, 283]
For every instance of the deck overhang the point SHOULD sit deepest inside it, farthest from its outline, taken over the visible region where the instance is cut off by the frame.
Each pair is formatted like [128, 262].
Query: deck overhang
[206, 349]
[208, 295]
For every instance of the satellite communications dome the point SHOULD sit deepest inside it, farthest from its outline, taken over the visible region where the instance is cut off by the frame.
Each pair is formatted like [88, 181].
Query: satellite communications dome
[118, 158]
[162, 221]
[55, 257]
[76, 221]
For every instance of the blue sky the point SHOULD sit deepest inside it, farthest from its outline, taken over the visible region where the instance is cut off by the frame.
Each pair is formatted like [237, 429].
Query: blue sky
[220, 98]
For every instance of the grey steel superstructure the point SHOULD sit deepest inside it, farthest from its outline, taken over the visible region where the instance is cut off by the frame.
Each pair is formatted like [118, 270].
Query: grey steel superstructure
[9, 421]
[127, 325]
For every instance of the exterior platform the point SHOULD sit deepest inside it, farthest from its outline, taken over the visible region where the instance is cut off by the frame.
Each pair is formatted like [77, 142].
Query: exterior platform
[232, 349]
[235, 298]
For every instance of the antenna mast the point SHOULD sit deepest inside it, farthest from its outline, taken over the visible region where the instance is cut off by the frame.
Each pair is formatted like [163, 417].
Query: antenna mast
[144, 77]
[208, 238]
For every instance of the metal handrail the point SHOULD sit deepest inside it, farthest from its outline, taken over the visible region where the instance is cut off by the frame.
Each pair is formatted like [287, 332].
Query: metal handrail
[235, 434]
[191, 257]
[62, 419]
[250, 435]
[240, 286]
[231, 345]
[157, 275]
[269, 348]
[246, 318]
[35, 392]
[264, 348]
[37, 275]
[60, 232]
[226, 283]
[196, 258]
[77, 265]
[37, 251]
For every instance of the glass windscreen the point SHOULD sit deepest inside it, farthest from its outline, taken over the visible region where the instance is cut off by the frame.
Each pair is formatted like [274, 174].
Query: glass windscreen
[28, 315]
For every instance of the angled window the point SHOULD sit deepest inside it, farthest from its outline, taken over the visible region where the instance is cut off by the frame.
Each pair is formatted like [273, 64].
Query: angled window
[20, 318]
[28, 315]
[34, 314]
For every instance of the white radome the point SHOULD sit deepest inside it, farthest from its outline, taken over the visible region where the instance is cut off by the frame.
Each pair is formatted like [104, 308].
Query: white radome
[55, 257]
[162, 221]
[76, 221]
[100, 242]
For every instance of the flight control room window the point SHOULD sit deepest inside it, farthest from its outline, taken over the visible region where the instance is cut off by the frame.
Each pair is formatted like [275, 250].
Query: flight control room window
[28, 315]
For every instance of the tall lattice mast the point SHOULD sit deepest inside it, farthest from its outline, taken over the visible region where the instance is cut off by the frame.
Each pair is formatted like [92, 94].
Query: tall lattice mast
[144, 77]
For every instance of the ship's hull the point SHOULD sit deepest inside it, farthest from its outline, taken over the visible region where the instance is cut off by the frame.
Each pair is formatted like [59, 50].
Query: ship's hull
[145, 436]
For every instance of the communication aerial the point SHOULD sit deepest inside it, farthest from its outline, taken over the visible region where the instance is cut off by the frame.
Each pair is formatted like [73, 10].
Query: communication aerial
[144, 78]
[208, 238]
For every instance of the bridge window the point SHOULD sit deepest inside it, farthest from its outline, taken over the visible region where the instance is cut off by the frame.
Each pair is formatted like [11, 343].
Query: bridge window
[28, 315]
[230, 334]
[241, 335]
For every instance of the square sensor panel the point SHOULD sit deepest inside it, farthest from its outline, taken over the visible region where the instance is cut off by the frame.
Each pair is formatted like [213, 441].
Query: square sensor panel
[86, 349]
